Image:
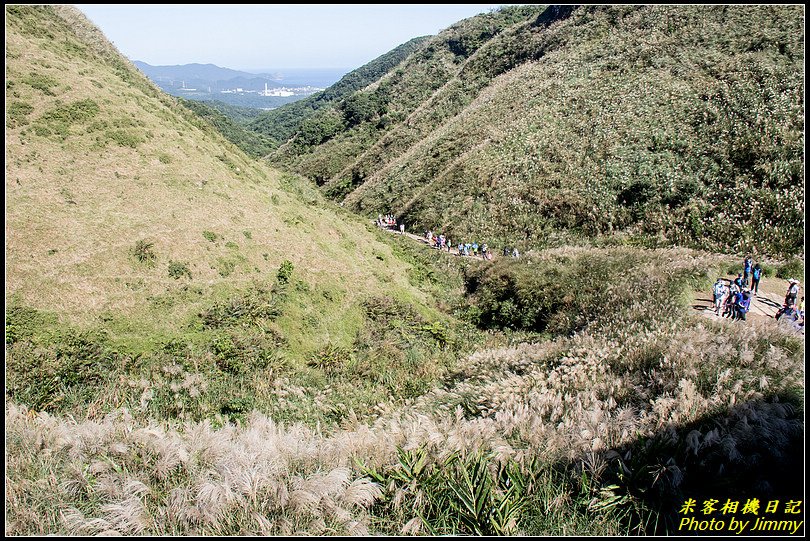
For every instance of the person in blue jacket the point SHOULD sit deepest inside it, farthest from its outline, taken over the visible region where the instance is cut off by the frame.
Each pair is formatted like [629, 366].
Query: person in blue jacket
[743, 304]
[756, 274]
[748, 263]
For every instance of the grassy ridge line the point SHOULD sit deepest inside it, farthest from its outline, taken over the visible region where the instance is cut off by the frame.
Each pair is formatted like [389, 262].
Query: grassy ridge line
[378, 115]
[281, 123]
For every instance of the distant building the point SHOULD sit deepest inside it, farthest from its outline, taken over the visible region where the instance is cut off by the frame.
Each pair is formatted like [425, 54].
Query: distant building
[283, 92]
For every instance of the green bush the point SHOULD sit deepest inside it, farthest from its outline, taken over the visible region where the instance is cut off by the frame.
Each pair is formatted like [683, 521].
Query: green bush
[41, 82]
[210, 236]
[792, 269]
[285, 272]
[768, 271]
[23, 322]
[472, 495]
[18, 113]
[178, 270]
[124, 138]
[144, 252]
[60, 372]
[257, 303]
[331, 359]
[564, 295]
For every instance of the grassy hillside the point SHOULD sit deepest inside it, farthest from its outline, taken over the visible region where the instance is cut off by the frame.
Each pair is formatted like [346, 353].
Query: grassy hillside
[138, 236]
[669, 124]
[229, 120]
[606, 431]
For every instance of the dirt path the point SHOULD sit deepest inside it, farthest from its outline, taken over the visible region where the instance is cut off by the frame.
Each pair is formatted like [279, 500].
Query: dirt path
[454, 251]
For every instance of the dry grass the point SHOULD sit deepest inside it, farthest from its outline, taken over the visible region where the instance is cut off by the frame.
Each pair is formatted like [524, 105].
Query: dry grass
[574, 400]
[76, 205]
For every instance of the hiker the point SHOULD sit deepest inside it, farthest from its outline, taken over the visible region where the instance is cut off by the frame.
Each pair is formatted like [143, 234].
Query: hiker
[792, 292]
[789, 306]
[719, 292]
[747, 264]
[515, 253]
[742, 304]
[474, 248]
[401, 229]
[506, 251]
[756, 274]
[738, 281]
[728, 305]
[484, 251]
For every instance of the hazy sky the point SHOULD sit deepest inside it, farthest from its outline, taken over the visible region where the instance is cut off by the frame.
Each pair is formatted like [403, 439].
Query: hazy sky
[254, 37]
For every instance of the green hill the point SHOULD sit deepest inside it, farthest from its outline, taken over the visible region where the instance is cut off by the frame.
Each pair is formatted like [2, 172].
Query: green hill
[665, 124]
[130, 218]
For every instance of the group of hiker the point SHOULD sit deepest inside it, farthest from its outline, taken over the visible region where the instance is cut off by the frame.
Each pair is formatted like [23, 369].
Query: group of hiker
[442, 242]
[470, 249]
[389, 221]
[732, 298]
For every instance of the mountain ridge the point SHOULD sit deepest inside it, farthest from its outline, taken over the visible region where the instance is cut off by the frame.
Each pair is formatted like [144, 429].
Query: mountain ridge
[565, 120]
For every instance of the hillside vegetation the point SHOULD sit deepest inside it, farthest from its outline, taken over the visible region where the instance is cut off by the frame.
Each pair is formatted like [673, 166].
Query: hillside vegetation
[665, 124]
[197, 344]
[142, 245]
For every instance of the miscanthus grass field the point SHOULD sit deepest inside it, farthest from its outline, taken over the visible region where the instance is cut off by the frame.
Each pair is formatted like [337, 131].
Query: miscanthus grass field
[603, 423]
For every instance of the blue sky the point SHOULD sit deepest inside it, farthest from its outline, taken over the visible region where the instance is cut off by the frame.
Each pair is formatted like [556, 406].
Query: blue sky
[259, 37]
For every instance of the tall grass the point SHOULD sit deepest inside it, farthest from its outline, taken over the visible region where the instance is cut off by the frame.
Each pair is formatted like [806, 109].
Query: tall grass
[604, 429]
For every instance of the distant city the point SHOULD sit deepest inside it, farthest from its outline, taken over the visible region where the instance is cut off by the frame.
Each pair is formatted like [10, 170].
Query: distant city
[207, 82]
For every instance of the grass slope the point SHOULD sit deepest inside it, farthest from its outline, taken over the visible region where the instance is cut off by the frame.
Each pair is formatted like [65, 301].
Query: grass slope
[279, 124]
[138, 235]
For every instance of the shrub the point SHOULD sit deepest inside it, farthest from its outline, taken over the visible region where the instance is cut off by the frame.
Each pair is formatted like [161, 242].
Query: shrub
[330, 359]
[792, 269]
[124, 138]
[210, 236]
[247, 308]
[43, 83]
[144, 252]
[178, 270]
[18, 113]
[65, 370]
[473, 495]
[22, 322]
[285, 271]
